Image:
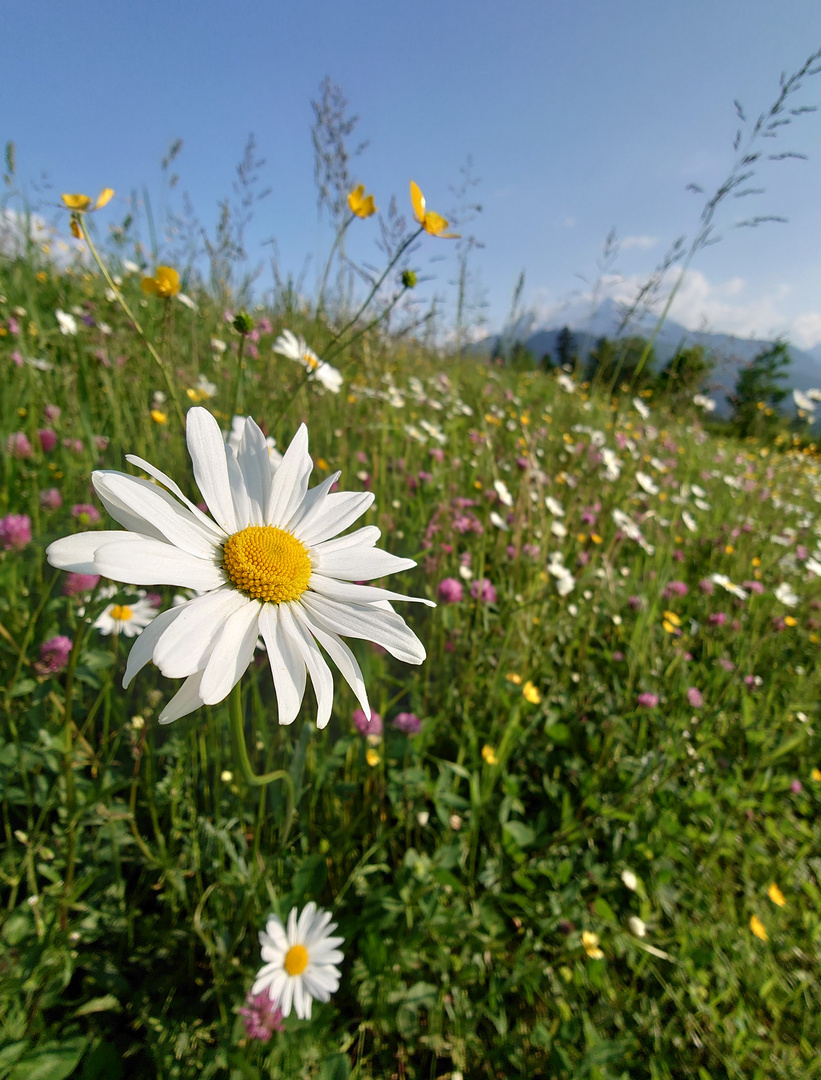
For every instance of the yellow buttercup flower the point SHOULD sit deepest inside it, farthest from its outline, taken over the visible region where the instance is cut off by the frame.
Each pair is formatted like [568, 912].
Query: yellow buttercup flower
[757, 927]
[489, 754]
[776, 895]
[514, 678]
[531, 693]
[432, 223]
[165, 284]
[816, 775]
[372, 757]
[360, 203]
[82, 203]
[591, 945]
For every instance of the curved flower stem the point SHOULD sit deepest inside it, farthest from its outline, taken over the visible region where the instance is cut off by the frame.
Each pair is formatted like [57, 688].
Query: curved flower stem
[320, 301]
[244, 764]
[335, 346]
[122, 302]
[240, 377]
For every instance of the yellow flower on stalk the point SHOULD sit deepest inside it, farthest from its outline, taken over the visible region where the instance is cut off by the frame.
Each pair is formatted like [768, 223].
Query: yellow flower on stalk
[591, 945]
[514, 678]
[81, 204]
[158, 417]
[531, 693]
[489, 754]
[816, 775]
[776, 895]
[432, 223]
[757, 927]
[372, 757]
[165, 284]
[361, 204]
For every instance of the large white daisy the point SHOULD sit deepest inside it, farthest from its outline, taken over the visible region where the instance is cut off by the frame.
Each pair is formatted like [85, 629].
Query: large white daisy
[288, 344]
[266, 565]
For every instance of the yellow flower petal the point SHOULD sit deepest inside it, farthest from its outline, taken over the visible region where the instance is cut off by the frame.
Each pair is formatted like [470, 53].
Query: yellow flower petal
[776, 895]
[757, 927]
[149, 285]
[489, 754]
[531, 693]
[77, 202]
[105, 197]
[361, 204]
[418, 200]
[591, 945]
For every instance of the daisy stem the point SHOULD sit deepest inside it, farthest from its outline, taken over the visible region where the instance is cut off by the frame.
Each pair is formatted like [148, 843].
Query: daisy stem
[244, 764]
[122, 302]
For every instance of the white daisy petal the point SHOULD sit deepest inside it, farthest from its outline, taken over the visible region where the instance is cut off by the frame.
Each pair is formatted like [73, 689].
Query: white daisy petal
[362, 538]
[257, 469]
[159, 564]
[290, 481]
[143, 647]
[287, 665]
[166, 481]
[76, 553]
[207, 452]
[187, 645]
[313, 497]
[186, 700]
[359, 594]
[159, 510]
[383, 627]
[231, 653]
[321, 677]
[359, 564]
[239, 493]
[125, 515]
[304, 921]
[287, 998]
[341, 655]
[333, 515]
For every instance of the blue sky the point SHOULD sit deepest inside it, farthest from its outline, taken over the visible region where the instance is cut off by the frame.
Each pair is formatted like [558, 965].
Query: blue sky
[578, 116]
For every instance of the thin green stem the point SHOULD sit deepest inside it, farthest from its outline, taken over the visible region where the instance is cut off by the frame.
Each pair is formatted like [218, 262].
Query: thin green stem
[122, 302]
[243, 762]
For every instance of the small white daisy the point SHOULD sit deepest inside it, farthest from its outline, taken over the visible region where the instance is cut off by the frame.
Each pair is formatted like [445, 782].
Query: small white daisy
[126, 619]
[67, 323]
[268, 564]
[300, 961]
[287, 344]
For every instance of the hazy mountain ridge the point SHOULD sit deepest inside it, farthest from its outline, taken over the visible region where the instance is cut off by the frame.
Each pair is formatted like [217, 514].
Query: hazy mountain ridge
[732, 353]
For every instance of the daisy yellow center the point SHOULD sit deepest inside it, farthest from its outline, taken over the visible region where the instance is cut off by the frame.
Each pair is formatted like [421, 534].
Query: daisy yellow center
[296, 959]
[121, 612]
[267, 563]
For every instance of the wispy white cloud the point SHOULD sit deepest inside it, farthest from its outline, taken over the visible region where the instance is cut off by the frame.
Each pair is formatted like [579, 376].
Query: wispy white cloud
[642, 242]
[722, 307]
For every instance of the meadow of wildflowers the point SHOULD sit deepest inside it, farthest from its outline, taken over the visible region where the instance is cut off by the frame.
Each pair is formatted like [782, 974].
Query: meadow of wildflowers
[560, 819]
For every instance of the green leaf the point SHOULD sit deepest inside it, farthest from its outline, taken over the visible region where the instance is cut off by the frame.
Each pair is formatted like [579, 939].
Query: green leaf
[558, 733]
[603, 910]
[107, 1003]
[335, 1067]
[50, 1061]
[24, 686]
[520, 833]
